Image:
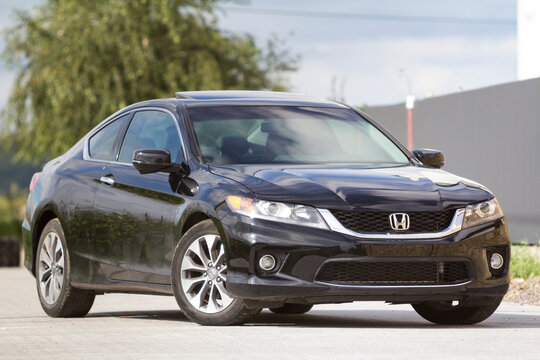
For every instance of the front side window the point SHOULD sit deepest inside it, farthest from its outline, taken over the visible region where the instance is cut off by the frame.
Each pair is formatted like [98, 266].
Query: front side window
[103, 144]
[290, 134]
[151, 130]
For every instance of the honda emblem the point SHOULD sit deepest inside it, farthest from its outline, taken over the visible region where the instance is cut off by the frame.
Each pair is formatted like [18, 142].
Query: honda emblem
[399, 221]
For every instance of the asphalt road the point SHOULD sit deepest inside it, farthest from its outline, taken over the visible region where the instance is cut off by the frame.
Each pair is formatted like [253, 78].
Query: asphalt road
[139, 326]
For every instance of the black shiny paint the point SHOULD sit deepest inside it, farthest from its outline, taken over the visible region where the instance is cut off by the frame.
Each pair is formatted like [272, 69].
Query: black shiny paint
[122, 236]
[430, 157]
[356, 187]
[305, 250]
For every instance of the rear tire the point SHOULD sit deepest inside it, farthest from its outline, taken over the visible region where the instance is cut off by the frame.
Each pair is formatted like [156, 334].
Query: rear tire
[199, 279]
[53, 274]
[291, 309]
[465, 313]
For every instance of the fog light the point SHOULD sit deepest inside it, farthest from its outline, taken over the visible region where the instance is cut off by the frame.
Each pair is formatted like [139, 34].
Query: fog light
[496, 262]
[267, 262]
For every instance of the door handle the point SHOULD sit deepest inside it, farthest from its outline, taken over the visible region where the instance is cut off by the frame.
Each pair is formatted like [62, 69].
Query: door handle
[107, 180]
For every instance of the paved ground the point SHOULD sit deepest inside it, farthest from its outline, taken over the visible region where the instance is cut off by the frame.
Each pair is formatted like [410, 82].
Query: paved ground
[137, 326]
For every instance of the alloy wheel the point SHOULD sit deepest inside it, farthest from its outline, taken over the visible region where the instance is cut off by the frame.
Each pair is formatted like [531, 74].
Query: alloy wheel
[51, 268]
[203, 275]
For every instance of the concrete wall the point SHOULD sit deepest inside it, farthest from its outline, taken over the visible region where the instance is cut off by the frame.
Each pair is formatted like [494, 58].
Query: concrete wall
[490, 135]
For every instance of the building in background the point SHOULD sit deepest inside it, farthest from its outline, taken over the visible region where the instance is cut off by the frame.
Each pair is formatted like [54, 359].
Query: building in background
[528, 39]
[489, 135]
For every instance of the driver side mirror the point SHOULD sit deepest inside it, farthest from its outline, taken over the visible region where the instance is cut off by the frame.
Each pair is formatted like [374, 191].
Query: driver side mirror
[430, 157]
[157, 160]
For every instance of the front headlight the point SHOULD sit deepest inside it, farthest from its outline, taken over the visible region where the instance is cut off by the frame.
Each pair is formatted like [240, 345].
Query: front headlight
[276, 211]
[480, 213]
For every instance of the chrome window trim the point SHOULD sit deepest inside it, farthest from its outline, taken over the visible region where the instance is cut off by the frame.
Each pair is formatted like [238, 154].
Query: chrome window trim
[86, 152]
[336, 226]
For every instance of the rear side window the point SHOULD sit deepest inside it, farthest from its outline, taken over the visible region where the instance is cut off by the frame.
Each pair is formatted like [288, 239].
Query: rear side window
[151, 130]
[104, 143]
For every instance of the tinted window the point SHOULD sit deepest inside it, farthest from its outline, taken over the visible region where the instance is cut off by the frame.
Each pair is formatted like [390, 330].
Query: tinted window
[103, 144]
[150, 130]
[290, 134]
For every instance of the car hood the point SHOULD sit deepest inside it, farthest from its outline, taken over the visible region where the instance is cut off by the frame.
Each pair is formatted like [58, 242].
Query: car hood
[403, 188]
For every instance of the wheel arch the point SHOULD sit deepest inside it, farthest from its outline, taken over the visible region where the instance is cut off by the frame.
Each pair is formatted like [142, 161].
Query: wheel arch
[196, 216]
[193, 219]
[45, 216]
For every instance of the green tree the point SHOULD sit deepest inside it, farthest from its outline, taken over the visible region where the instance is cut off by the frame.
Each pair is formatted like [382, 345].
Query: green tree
[79, 61]
[12, 205]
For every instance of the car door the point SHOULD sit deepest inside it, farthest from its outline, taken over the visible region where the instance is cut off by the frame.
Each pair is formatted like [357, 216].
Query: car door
[133, 230]
[80, 187]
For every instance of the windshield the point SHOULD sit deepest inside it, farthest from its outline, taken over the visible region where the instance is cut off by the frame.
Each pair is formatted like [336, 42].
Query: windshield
[290, 134]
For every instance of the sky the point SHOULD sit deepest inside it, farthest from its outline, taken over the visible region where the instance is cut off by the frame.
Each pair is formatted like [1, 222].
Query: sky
[363, 58]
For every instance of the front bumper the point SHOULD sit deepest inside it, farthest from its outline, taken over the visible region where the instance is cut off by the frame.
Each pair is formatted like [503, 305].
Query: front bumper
[302, 251]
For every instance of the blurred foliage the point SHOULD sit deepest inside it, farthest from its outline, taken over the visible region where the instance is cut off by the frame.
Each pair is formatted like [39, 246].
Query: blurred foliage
[79, 61]
[12, 203]
[525, 261]
[15, 172]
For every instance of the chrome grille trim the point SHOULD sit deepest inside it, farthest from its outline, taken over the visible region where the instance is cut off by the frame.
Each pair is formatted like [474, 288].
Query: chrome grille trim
[336, 226]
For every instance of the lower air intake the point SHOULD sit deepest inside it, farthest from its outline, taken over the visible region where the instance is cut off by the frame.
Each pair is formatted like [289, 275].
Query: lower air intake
[394, 273]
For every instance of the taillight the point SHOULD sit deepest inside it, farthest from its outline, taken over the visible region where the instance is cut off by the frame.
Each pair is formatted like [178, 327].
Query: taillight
[34, 181]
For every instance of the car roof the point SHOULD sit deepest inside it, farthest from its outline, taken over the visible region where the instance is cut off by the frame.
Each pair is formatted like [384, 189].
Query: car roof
[233, 97]
[247, 97]
[226, 98]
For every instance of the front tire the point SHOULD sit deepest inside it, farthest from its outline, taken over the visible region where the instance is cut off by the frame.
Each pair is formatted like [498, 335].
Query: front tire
[199, 279]
[466, 312]
[56, 295]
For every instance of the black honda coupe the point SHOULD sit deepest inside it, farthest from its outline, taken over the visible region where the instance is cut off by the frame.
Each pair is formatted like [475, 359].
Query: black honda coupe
[235, 201]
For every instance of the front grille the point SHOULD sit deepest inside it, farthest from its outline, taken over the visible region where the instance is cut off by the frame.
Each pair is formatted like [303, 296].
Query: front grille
[394, 273]
[379, 221]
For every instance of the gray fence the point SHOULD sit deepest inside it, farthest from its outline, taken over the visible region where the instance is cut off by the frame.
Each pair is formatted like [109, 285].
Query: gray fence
[490, 135]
